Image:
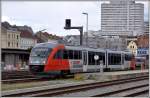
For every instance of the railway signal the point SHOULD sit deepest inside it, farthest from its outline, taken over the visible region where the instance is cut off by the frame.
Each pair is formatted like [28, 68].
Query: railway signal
[68, 27]
[68, 23]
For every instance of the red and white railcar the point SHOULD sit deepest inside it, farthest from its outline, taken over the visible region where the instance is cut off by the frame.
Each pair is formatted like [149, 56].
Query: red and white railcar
[49, 58]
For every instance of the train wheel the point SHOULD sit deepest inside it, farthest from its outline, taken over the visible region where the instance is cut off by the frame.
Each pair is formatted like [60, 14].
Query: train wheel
[107, 69]
[64, 73]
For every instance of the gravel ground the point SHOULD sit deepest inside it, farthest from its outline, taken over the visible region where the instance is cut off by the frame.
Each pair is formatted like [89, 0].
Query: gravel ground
[145, 95]
[5, 87]
[102, 90]
[58, 82]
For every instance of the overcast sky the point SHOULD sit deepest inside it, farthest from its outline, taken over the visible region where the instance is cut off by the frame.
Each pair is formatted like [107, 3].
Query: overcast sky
[51, 15]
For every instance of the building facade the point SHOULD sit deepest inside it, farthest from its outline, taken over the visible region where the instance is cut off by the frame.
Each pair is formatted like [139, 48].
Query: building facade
[10, 38]
[105, 42]
[27, 39]
[46, 37]
[146, 27]
[143, 41]
[3, 37]
[12, 56]
[14, 59]
[132, 46]
[143, 45]
[122, 16]
[27, 43]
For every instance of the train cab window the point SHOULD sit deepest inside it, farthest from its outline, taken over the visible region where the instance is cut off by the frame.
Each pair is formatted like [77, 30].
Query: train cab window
[58, 54]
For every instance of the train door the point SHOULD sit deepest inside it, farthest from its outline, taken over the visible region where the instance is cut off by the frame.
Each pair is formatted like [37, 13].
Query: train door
[85, 60]
[122, 61]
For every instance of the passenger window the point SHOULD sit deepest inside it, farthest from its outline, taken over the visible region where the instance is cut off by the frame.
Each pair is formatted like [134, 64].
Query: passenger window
[70, 54]
[76, 54]
[91, 60]
[114, 59]
[65, 54]
[80, 54]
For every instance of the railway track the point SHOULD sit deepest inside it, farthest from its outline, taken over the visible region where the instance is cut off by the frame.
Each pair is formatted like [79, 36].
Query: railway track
[84, 87]
[23, 80]
[16, 75]
[126, 92]
[33, 79]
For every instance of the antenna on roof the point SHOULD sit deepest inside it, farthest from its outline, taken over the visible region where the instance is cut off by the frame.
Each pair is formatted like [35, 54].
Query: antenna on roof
[41, 30]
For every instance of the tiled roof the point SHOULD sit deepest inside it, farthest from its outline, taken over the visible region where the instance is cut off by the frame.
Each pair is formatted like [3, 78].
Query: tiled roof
[26, 34]
[6, 25]
[46, 34]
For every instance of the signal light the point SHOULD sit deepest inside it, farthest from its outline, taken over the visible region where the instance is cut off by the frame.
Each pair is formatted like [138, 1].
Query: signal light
[68, 23]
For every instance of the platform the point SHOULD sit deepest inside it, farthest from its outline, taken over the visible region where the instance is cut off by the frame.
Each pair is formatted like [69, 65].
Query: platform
[104, 76]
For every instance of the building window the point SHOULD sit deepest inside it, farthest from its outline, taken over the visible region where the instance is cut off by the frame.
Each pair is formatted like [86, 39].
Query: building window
[8, 44]
[8, 35]
[17, 44]
[17, 37]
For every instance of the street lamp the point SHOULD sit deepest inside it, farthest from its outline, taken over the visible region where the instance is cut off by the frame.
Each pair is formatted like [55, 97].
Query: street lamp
[86, 28]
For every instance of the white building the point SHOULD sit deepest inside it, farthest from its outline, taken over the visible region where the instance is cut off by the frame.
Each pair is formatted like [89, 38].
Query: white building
[106, 42]
[122, 16]
[27, 40]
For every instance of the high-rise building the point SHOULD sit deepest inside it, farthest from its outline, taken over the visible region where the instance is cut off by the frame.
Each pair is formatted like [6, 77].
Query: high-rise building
[146, 27]
[122, 17]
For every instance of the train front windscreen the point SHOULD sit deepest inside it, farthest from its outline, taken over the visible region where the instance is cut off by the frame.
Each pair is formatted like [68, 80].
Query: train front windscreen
[39, 55]
[38, 58]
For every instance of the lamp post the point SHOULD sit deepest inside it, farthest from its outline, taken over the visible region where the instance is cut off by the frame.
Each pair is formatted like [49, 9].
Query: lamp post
[86, 28]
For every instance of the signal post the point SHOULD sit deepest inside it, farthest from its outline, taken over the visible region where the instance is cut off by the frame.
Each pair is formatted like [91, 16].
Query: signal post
[68, 27]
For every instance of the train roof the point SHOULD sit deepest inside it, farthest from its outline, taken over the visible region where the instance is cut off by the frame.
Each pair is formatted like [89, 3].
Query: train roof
[84, 48]
[52, 45]
[46, 44]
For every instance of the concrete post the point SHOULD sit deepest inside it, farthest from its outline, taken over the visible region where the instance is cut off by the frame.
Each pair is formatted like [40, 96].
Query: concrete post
[101, 66]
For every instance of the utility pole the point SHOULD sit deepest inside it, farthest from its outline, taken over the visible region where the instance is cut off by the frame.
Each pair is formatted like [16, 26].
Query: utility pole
[40, 31]
[86, 28]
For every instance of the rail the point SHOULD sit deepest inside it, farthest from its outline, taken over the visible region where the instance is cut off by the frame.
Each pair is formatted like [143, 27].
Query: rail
[75, 88]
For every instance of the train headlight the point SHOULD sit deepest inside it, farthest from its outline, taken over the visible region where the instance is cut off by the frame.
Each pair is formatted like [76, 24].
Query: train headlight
[44, 61]
[30, 61]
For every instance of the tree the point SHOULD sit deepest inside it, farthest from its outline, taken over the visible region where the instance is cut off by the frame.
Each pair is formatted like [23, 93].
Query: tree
[29, 49]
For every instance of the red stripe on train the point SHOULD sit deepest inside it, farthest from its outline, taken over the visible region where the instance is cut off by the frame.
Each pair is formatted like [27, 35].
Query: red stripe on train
[56, 64]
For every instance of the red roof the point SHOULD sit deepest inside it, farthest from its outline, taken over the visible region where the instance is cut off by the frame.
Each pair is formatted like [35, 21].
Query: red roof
[26, 34]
